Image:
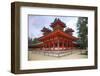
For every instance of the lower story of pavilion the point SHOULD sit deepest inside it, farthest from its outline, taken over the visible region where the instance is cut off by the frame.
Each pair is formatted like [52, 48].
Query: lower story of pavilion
[57, 45]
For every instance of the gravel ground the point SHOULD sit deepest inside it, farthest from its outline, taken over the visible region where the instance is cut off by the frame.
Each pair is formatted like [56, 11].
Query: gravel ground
[76, 54]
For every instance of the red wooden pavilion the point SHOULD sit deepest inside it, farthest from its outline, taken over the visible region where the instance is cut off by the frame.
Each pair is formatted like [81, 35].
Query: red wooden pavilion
[58, 38]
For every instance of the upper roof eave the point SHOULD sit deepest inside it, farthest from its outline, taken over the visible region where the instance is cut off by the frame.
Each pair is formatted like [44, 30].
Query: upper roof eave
[58, 32]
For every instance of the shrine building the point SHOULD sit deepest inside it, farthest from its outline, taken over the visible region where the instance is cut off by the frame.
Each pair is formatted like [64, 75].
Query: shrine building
[58, 38]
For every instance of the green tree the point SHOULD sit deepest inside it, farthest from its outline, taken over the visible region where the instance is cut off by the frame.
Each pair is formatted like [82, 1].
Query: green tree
[35, 41]
[82, 32]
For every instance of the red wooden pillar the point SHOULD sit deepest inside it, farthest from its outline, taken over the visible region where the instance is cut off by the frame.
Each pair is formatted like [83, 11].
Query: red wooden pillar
[67, 44]
[43, 46]
[53, 45]
[71, 44]
[49, 46]
[63, 44]
[58, 45]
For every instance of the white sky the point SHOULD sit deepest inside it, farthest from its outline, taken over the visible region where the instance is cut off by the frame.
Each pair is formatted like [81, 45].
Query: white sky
[37, 22]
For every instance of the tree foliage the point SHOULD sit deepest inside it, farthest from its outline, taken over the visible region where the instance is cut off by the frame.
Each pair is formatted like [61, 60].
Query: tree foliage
[35, 40]
[82, 27]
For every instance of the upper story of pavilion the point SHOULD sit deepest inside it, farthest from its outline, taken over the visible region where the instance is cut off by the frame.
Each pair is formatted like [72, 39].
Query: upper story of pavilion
[57, 31]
